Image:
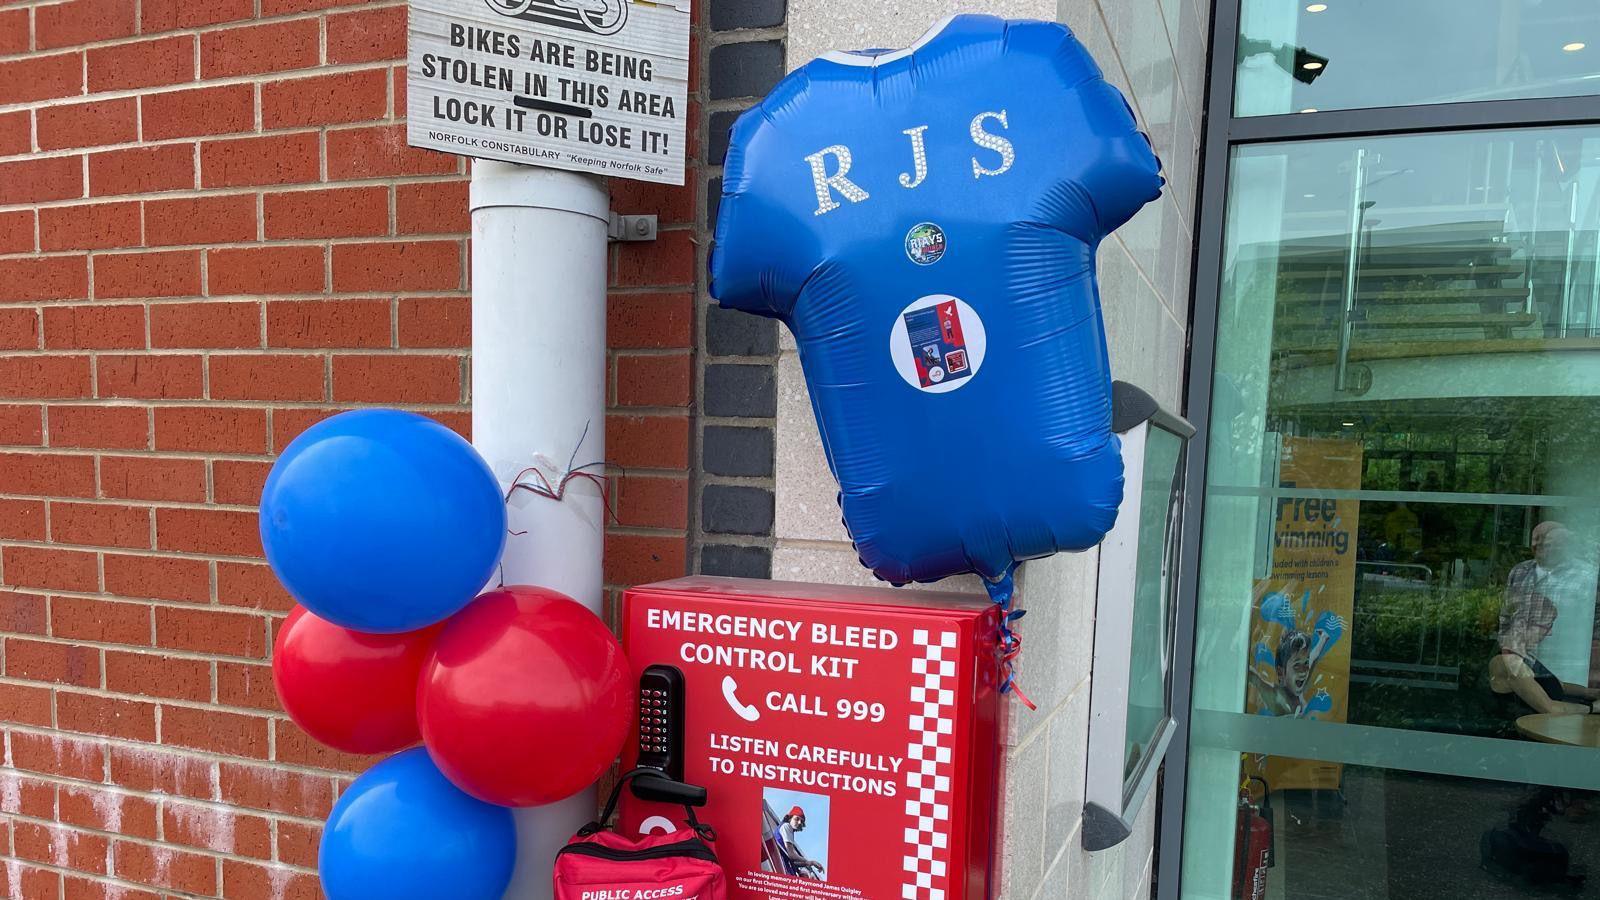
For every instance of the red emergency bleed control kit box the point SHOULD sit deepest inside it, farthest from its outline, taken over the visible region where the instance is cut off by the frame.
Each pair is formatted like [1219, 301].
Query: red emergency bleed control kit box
[849, 738]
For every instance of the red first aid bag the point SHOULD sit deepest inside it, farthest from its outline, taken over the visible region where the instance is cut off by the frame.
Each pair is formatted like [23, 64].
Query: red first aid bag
[599, 864]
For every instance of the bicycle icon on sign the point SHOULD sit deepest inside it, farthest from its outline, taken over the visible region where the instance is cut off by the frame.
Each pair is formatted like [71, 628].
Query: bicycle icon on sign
[594, 16]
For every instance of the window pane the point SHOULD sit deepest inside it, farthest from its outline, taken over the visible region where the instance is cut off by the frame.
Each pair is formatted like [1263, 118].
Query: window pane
[1402, 511]
[1297, 55]
[1150, 661]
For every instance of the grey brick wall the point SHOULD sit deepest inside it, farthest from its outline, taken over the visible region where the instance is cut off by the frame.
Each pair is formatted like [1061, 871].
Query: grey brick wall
[736, 368]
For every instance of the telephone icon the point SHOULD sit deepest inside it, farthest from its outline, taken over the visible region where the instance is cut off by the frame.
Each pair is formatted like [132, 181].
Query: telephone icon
[730, 693]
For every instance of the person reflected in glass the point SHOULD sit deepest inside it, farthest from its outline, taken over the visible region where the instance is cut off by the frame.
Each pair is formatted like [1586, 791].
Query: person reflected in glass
[1520, 681]
[1402, 530]
[1523, 685]
[1437, 523]
[1555, 574]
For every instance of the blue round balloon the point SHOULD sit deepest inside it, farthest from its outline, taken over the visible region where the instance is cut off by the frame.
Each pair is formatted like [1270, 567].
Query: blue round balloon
[382, 521]
[404, 832]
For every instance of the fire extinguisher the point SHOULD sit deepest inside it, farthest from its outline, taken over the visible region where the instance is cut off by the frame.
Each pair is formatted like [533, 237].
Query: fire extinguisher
[1253, 837]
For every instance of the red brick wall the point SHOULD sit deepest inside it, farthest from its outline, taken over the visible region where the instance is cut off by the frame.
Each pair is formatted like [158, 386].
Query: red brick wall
[212, 234]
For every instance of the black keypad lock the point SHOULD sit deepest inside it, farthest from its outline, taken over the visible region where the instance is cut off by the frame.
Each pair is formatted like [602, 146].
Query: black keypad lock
[661, 720]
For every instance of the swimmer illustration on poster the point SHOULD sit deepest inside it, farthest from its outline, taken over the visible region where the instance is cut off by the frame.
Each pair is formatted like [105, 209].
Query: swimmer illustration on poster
[794, 833]
[1284, 676]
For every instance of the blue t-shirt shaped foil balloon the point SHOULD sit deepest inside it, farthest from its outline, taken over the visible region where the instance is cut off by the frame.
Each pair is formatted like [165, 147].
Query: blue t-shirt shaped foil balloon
[925, 222]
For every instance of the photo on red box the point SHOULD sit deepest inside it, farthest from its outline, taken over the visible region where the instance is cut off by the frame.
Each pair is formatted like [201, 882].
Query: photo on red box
[805, 821]
[848, 738]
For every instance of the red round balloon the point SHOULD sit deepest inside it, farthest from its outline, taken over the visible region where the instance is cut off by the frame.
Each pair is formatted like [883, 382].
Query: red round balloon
[353, 691]
[525, 698]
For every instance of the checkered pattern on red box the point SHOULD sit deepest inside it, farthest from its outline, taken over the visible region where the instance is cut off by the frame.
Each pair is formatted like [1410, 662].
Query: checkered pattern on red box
[928, 768]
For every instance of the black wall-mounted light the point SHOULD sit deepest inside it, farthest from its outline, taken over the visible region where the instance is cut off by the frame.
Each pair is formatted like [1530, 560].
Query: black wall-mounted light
[1299, 62]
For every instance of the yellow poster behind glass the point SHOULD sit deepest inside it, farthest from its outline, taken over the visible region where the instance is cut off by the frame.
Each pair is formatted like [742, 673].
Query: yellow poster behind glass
[1300, 652]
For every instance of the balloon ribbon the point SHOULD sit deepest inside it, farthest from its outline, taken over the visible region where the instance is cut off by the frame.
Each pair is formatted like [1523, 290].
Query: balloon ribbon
[1003, 592]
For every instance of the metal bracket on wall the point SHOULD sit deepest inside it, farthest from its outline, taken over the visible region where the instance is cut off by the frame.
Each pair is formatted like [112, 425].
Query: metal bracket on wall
[632, 228]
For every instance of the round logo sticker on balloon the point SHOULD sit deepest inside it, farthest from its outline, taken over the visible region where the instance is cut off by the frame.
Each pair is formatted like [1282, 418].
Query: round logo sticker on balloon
[925, 243]
[937, 343]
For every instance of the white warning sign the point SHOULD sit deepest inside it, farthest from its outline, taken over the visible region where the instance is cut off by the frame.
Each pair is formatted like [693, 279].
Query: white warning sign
[593, 85]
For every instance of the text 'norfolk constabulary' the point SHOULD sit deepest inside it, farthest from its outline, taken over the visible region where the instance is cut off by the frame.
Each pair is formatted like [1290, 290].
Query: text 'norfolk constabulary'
[590, 85]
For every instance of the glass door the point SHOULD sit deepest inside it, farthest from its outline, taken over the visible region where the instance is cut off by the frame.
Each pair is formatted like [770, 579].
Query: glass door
[1395, 653]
